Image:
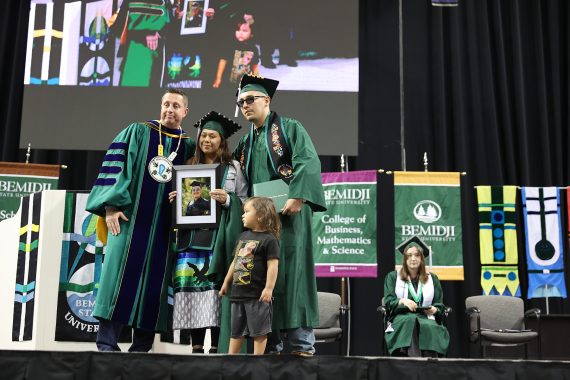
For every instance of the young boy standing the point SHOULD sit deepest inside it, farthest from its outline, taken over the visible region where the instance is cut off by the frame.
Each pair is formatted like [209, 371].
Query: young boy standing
[252, 275]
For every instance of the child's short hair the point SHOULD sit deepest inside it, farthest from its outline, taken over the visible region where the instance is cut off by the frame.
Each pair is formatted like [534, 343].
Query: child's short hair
[268, 217]
[240, 23]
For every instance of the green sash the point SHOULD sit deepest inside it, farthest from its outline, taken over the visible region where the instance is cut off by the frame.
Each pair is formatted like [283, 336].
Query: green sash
[278, 149]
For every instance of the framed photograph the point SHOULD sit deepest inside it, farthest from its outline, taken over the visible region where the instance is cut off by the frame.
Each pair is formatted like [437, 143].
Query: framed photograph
[193, 206]
[194, 17]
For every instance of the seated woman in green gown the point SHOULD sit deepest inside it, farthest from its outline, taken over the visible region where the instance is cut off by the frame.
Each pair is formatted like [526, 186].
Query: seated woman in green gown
[414, 301]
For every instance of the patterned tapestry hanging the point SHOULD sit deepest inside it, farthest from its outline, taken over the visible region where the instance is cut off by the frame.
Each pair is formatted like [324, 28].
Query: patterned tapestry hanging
[23, 323]
[544, 249]
[498, 240]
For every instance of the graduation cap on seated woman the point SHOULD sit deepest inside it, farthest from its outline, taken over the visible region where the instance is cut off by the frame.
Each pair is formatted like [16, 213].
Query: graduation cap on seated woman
[416, 241]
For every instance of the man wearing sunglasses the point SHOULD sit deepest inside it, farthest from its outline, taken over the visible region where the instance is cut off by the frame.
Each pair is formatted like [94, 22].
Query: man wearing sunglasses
[280, 148]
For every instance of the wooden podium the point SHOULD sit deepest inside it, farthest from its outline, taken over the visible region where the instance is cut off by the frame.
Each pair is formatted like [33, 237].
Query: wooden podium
[18, 179]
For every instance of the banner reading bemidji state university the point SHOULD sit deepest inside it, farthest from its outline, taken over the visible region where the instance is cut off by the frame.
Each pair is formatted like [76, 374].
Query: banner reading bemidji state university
[80, 270]
[428, 204]
[345, 235]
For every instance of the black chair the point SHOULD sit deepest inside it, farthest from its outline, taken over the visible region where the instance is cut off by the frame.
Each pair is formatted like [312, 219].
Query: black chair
[332, 320]
[385, 315]
[500, 321]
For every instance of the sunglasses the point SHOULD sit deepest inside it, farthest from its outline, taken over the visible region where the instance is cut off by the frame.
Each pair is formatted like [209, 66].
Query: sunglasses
[248, 100]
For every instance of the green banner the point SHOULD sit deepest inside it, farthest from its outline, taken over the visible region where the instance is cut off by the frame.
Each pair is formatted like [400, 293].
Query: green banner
[345, 234]
[428, 204]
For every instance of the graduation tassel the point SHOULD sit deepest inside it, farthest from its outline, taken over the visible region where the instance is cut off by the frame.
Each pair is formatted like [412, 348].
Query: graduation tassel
[237, 98]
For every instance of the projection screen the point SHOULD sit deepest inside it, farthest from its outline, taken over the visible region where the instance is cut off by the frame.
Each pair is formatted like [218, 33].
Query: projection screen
[93, 67]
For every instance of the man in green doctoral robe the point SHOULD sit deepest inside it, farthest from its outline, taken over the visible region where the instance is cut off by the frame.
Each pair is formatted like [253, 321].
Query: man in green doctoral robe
[131, 193]
[280, 148]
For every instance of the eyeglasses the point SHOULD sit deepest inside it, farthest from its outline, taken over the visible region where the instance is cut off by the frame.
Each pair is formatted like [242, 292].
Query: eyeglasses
[248, 100]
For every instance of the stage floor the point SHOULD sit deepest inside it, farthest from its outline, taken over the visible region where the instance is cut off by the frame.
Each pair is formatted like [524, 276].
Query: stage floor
[46, 365]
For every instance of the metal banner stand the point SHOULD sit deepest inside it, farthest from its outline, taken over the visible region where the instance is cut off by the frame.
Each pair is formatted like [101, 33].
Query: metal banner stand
[345, 281]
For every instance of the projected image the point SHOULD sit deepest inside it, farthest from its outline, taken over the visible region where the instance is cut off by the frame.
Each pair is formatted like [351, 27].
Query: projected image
[106, 63]
[193, 44]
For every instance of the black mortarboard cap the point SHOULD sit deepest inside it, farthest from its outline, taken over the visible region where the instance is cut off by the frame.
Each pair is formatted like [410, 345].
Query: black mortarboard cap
[256, 83]
[414, 241]
[217, 122]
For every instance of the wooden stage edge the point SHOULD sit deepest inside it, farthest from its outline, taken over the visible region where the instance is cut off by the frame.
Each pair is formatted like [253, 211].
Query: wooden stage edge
[46, 365]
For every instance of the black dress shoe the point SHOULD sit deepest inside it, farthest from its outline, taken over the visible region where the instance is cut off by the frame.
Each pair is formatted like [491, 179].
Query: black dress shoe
[400, 352]
[429, 354]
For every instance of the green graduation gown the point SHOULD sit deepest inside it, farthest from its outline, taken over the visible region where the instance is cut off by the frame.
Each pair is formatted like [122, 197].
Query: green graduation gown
[432, 335]
[228, 232]
[136, 271]
[295, 304]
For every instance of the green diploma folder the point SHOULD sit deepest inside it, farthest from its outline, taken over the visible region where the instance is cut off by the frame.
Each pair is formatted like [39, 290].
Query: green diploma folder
[277, 190]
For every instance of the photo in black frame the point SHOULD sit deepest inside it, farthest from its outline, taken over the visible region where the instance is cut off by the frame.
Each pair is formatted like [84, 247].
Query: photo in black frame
[193, 207]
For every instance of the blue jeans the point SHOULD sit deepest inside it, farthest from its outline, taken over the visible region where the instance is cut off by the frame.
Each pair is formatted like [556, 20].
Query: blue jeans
[301, 339]
[110, 331]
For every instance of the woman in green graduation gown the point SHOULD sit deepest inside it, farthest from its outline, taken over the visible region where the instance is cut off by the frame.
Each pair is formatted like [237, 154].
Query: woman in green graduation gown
[414, 301]
[203, 255]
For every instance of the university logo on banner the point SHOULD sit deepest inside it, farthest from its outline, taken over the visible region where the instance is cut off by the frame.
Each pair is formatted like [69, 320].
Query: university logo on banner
[80, 270]
[345, 234]
[498, 240]
[544, 242]
[428, 204]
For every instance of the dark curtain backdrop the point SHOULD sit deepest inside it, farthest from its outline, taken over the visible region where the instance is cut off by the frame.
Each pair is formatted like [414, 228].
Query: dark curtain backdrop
[486, 92]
